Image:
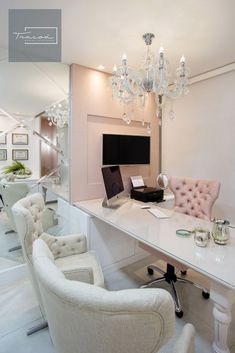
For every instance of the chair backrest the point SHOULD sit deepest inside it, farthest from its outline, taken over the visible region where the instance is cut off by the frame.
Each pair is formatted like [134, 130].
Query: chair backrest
[12, 192]
[194, 197]
[87, 318]
[27, 214]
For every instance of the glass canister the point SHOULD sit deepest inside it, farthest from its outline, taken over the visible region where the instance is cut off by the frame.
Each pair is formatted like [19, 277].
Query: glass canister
[220, 231]
[201, 237]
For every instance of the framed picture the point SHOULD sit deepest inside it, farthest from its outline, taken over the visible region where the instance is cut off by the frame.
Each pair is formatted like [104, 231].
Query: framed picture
[3, 154]
[20, 155]
[3, 138]
[20, 139]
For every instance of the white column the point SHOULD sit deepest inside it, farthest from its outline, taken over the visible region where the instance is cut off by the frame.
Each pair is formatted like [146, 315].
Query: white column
[223, 299]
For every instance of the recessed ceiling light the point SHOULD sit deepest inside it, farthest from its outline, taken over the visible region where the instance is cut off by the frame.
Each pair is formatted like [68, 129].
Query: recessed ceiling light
[100, 67]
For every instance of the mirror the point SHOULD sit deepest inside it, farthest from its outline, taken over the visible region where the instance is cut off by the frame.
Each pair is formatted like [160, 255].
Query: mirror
[33, 109]
[162, 181]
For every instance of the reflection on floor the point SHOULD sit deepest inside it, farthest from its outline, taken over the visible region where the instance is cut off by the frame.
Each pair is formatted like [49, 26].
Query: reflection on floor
[7, 241]
[19, 311]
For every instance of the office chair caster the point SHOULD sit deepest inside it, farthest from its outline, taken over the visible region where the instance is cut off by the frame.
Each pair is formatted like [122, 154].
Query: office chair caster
[183, 273]
[205, 295]
[150, 271]
[179, 314]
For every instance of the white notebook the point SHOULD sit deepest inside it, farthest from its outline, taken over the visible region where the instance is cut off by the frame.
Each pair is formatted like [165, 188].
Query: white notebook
[157, 213]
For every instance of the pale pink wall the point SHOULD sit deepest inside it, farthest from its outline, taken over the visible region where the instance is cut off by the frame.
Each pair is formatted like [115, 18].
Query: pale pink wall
[94, 112]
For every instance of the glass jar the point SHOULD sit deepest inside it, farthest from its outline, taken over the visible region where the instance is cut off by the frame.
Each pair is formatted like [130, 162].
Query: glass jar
[201, 237]
[220, 231]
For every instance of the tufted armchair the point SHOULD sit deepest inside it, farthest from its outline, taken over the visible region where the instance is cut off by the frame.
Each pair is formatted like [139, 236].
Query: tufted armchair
[69, 252]
[193, 197]
[84, 318]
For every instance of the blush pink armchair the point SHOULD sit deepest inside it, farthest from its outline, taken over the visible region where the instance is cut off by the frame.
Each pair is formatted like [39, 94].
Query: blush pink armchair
[193, 197]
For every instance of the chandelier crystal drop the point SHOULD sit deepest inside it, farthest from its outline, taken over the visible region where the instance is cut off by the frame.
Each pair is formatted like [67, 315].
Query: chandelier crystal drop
[58, 114]
[153, 76]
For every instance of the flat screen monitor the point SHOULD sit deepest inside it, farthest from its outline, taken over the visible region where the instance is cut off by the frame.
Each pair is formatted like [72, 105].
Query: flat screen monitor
[113, 183]
[125, 149]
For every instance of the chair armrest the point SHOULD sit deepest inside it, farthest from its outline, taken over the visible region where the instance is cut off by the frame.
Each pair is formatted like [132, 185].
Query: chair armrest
[185, 343]
[65, 245]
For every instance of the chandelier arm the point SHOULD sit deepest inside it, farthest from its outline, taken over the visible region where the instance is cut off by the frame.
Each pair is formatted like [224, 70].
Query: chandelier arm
[129, 84]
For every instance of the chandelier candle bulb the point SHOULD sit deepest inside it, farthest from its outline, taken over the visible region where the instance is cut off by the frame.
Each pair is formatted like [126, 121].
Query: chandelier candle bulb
[129, 84]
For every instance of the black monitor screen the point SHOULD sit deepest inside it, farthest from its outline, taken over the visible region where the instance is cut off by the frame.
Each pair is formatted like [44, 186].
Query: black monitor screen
[112, 181]
[125, 149]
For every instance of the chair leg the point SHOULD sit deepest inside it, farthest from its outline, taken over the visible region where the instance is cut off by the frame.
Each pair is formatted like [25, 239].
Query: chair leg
[197, 285]
[157, 280]
[178, 308]
[37, 328]
[152, 268]
[18, 247]
[9, 231]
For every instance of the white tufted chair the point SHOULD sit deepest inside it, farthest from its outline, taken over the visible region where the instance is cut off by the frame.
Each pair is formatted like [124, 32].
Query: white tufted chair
[193, 197]
[69, 252]
[88, 319]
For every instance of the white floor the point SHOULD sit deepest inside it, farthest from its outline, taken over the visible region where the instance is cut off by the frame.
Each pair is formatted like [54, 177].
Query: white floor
[7, 241]
[19, 311]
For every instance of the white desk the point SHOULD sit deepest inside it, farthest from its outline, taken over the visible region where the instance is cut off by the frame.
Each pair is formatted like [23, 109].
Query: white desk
[215, 261]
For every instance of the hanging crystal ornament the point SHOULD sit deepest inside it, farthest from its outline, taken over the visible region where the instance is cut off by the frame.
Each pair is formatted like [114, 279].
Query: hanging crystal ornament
[153, 77]
[171, 111]
[149, 128]
[58, 113]
[172, 114]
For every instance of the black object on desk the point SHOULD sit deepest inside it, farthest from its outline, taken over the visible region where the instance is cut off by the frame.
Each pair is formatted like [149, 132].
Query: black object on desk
[147, 194]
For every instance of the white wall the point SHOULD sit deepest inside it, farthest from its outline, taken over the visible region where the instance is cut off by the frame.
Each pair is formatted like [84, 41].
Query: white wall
[33, 162]
[200, 141]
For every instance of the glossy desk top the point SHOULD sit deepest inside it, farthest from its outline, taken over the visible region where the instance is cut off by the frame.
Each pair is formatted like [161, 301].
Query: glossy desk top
[214, 261]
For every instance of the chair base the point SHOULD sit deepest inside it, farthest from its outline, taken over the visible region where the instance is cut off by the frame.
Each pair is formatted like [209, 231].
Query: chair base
[170, 277]
[37, 328]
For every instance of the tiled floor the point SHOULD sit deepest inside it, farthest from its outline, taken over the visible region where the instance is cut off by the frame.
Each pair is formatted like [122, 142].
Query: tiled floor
[19, 311]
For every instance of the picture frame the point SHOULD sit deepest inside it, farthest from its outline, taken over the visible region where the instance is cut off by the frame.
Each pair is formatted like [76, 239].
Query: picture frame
[3, 154]
[3, 138]
[20, 154]
[20, 139]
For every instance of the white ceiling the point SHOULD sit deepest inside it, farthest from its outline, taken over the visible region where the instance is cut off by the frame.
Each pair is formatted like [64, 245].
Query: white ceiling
[97, 32]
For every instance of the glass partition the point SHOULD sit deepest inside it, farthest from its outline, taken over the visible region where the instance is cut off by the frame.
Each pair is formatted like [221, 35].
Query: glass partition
[34, 119]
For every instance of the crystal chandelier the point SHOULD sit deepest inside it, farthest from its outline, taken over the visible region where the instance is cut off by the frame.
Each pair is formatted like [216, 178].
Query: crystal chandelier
[58, 113]
[129, 84]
